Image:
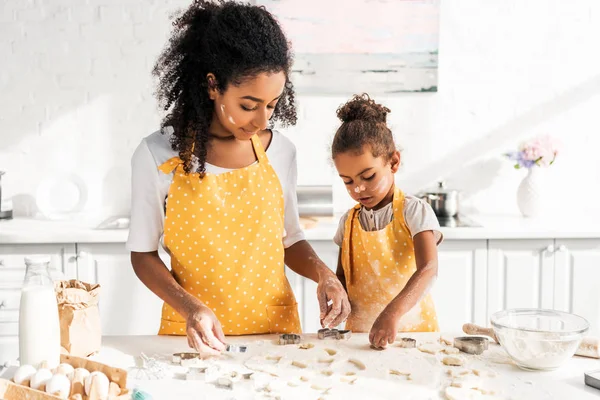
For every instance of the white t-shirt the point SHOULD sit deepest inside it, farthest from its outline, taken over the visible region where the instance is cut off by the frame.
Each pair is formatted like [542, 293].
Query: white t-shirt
[150, 187]
[419, 217]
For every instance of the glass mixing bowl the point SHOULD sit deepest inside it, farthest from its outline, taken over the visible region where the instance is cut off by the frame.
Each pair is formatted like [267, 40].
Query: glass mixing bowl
[539, 339]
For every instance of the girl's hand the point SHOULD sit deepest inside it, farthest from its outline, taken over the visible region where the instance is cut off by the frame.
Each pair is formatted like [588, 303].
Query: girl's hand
[204, 332]
[384, 329]
[333, 301]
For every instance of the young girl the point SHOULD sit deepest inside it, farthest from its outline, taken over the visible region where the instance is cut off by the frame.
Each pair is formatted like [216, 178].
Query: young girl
[219, 187]
[388, 254]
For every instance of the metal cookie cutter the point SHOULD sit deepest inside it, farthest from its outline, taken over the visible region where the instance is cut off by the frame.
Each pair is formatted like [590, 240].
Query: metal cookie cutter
[471, 344]
[289, 338]
[334, 333]
[592, 378]
[236, 348]
[407, 343]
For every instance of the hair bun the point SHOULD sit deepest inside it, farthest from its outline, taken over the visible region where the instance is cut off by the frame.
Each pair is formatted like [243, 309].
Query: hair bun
[362, 108]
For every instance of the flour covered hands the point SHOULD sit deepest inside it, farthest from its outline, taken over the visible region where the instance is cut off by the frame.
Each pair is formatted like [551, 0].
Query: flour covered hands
[333, 301]
[204, 332]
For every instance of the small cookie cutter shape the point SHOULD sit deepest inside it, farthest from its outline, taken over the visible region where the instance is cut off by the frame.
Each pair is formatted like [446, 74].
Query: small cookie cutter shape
[471, 344]
[289, 338]
[234, 348]
[592, 378]
[179, 357]
[334, 334]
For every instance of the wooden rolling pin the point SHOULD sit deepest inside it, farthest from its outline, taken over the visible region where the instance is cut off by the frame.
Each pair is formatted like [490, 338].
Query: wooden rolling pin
[589, 346]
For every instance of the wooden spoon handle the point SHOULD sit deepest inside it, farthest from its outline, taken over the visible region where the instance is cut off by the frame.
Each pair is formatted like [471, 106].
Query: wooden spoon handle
[472, 329]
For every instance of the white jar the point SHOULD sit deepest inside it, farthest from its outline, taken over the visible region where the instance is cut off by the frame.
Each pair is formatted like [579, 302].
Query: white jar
[39, 326]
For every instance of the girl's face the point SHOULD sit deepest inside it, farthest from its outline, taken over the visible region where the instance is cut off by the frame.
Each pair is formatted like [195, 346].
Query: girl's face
[244, 110]
[369, 180]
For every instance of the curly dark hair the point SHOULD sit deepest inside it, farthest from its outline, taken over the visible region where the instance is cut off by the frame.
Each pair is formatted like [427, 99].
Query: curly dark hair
[363, 124]
[234, 42]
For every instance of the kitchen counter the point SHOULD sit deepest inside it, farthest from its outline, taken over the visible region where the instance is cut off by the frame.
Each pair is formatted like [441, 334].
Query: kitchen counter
[27, 230]
[276, 377]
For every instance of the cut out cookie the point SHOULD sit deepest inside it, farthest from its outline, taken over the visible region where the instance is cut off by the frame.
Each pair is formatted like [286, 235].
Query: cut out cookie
[455, 361]
[430, 348]
[331, 352]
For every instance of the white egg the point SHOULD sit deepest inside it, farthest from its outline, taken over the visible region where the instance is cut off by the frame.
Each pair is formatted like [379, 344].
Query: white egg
[40, 378]
[23, 374]
[81, 374]
[65, 369]
[59, 385]
[99, 379]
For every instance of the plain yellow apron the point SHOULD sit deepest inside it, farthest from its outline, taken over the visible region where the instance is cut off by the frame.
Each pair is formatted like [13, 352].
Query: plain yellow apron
[377, 265]
[224, 233]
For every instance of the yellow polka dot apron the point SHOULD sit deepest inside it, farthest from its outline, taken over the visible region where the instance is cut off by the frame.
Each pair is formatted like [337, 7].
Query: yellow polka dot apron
[224, 233]
[377, 265]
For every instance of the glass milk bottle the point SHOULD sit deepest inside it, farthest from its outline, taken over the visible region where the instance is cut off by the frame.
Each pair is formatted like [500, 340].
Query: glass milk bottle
[39, 327]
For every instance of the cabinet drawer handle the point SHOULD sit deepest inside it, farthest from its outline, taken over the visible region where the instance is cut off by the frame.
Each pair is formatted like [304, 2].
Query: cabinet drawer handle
[1, 262]
[550, 249]
[2, 305]
[562, 248]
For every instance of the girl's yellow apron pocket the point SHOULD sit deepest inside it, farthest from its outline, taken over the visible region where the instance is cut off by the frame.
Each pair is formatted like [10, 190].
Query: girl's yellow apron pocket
[284, 319]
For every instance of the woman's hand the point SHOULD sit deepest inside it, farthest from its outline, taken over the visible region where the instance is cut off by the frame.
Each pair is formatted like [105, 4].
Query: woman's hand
[204, 332]
[333, 300]
[384, 329]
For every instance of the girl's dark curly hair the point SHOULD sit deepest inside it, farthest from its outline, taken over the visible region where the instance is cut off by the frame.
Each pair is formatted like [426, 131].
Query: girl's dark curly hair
[234, 42]
[363, 124]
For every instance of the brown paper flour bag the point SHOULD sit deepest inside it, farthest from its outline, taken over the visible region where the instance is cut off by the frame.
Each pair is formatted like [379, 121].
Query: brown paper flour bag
[80, 329]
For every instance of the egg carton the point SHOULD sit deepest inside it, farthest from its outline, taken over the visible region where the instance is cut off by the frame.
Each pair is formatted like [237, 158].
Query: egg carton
[117, 388]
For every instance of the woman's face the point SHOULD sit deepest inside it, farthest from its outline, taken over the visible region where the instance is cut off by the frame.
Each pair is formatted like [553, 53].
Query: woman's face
[369, 180]
[245, 109]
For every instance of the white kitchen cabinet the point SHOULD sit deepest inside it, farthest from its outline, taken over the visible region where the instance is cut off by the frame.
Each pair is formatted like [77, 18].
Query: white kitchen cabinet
[127, 306]
[577, 279]
[459, 291]
[520, 274]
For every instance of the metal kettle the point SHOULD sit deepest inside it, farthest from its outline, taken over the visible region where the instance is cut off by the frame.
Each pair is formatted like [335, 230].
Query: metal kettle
[444, 201]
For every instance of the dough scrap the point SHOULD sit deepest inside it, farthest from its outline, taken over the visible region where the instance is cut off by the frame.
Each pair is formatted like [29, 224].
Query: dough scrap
[398, 372]
[325, 360]
[299, 364]
[306, 346]
[447, 340]
[359, 364]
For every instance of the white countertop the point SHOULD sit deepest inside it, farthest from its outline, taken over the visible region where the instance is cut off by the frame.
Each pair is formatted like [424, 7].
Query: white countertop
[429, 377]
[24, 230]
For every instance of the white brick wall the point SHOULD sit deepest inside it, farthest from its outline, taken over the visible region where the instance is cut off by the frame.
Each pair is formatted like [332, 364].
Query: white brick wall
[76, 97]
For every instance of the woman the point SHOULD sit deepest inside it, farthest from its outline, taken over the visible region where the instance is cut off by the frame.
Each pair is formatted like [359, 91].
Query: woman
[225, 206]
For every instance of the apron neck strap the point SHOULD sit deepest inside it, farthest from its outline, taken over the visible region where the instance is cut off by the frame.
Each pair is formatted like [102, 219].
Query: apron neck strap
[258, 149]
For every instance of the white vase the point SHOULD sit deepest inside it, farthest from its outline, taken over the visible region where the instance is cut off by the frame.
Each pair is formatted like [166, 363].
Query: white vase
[531, 195]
